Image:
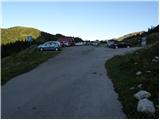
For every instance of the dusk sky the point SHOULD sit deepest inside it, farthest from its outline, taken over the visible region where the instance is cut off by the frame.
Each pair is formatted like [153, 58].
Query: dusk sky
[88, 20]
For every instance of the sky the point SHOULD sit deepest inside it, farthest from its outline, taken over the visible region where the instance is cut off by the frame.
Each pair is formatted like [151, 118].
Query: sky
[88, 20]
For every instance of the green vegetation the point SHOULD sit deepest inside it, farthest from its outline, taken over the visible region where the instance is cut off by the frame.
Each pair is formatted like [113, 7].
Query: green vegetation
[18, 33]
[153, 38]
[13, 40]
[132, 38]
[14, 34]
[22, 62]
[130, 35]
[135, 37]
[122, 70]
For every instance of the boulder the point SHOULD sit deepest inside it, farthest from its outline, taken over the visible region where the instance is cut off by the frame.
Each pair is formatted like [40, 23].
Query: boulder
[146, 106]
[132, 88]
[142, 94]
[139, 73]
[139, 86]
[148, 71]
[154, 60]
[156, 57]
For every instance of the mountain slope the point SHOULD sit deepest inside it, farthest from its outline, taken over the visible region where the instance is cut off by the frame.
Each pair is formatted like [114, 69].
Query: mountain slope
[130, 35]
[18, 33]
[135, 37]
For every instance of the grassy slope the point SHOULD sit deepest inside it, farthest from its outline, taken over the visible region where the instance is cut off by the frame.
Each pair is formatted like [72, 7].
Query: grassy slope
[153, 37]
[18, 33]
[130, 35]
[122, 70]
[133, 38]
[22, 62]
[26, 59]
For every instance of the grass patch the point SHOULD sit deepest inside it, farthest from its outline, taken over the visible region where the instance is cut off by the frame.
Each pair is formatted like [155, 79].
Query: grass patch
[152, 38]
[122, 70]
[22, 62]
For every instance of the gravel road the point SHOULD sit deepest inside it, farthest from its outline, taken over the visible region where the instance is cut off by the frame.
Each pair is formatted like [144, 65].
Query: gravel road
[73, 84]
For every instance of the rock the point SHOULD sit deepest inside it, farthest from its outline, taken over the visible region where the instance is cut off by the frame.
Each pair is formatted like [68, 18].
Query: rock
[132, 88]
[142, 94]
[139, 73]
[148, 71]
[139, 86]
[135, 63]
[146, 106]
[154, 60]
[157, 57]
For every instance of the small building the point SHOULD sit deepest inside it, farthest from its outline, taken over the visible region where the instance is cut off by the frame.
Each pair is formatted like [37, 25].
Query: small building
[66, 41]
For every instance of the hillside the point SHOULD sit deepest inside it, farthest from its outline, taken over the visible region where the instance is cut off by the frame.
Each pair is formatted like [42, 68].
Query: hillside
[18, 33]
[13, 39]
[134, 38]
[130, 35]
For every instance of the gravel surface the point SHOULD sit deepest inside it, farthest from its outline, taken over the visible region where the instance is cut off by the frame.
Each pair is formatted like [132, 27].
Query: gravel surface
[73, 84]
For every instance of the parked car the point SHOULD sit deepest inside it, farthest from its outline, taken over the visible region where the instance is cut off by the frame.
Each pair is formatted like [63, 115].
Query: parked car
[111, 42]
[120, 45]
[49, 45]
[66, 44]
[66, 41]
[60, 45]
[95, 43]
[79, 44]
[87, 43]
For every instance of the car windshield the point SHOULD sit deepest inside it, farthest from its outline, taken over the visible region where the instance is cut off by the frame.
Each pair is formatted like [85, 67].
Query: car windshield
[45, 44]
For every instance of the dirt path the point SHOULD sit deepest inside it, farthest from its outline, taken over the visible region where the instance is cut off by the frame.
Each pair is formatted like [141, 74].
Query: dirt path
[71, 85]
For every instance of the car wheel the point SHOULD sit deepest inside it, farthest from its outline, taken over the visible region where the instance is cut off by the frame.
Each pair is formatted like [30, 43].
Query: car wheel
[56, 49]
[128, 46]
[41, 49]
[116, 47]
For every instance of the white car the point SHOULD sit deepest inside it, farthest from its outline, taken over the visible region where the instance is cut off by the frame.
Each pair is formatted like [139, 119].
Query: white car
[79, 44]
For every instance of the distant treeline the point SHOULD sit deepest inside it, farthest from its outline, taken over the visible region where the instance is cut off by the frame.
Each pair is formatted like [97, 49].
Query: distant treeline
[153, 29]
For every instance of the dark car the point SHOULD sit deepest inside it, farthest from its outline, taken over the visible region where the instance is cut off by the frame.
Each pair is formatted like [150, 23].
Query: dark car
[120, 45]
[66, 41]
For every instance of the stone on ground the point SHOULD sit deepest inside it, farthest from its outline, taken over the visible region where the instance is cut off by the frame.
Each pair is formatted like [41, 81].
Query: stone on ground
[145, 106]
[142, 94]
